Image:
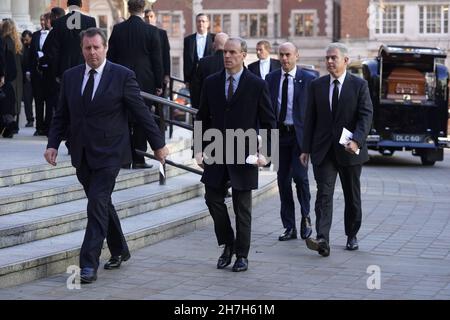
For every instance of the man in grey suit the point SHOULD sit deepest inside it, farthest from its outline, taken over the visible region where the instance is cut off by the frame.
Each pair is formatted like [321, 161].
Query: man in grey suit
[337, 101]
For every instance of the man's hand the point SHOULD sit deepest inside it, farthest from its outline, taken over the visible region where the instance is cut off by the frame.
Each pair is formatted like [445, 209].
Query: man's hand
[199, 159]
[161, 154]
[166, 80]
[50, 155]
[262, 161]
[351, 147]
[2, 81]
[159, 91]
[304, 159]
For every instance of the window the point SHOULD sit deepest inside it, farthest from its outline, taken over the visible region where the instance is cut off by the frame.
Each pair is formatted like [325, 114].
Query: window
[220, 23]
[390, 19]
[304, 24]
[253, 25]
[171, 23]
[433, 19]
[175, 67]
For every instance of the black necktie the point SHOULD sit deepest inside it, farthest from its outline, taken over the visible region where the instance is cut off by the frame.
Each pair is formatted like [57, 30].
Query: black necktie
[230, 88]
[335, 99]
[284, 99]
[89, 88]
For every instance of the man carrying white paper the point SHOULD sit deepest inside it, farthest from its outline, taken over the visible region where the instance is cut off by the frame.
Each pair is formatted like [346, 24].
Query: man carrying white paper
[337, 122]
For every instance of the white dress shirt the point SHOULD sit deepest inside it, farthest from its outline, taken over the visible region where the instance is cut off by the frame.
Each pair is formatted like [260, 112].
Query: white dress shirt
[44, 34]
[289, 120]
[201, 44]
[264, 67]
[341, 82]
[97, 77]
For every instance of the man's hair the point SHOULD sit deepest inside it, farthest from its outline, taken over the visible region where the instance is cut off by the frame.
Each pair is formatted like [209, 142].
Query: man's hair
[265, 44]
[147, 11]
[92, 32]
[27, 33]
[74, 3]
[241, 41]
[136, 6]
[339, 46]
[201, 14]
[56, 13]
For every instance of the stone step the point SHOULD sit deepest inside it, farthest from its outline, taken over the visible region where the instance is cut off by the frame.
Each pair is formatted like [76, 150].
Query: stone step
[43, 193]
[42, 258]
[17, 176]
[45, 222]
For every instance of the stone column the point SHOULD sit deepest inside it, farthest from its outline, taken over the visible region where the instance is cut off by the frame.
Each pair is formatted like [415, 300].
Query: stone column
[21, 14]
[37, 8]
[5, 9]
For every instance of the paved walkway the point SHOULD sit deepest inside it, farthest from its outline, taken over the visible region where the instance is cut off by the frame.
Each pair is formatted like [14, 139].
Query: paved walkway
[405, 232]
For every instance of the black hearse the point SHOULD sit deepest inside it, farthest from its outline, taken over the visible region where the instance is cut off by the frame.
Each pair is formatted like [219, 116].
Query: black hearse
[409, 91]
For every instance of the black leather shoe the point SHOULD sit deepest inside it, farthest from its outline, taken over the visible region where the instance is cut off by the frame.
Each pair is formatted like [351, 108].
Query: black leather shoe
[225, 258]
[288, 234]
[324, 248]
[241, 264]
[352, 243]
[142, 165]
[305, 228]
[320, 245]
[115, 261]
[88, 275]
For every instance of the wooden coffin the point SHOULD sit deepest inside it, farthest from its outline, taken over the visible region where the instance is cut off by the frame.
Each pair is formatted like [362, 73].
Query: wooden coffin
[406, 84]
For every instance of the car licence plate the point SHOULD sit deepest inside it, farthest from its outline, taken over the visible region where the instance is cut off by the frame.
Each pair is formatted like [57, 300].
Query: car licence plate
[408, 137]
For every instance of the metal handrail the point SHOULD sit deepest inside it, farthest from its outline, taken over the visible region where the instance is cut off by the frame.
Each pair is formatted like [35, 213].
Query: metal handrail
[168, 103]
[172, 105]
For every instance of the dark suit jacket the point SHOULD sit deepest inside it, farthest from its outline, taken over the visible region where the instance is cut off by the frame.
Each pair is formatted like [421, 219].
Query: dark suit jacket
[165, 52]
[354, 112]
[249, 108]
[62, 47]
[101, 128]
[206, 67]
[136, 45]
[302, 82]
[190, 58]
[274, 65]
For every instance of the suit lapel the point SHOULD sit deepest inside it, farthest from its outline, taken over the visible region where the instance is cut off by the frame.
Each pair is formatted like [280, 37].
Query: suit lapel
[275, 93]
[298, 85]
[104, 82]
[77, 88]
[258, 69]
[239, 89]
[326, 94]
[343, 95]
[208, 44]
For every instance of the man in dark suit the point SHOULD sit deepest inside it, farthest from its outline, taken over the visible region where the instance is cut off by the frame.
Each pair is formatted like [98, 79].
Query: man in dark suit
[94, 101]
[265, 64]
[206, 67]
[289, 88]
[226, 97]
[337, 101]
[150, 18]
[43, 108]
[137, 46]
[63, 46]
[196, 46]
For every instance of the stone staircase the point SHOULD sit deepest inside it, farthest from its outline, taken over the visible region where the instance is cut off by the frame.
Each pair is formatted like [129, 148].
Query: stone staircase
[43, 212]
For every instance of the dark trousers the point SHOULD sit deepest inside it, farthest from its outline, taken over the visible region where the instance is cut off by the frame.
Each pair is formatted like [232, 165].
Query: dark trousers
[242, 206]
[44, 107]
[138, 141]
[28, 100]
[290, 169]
[103, 221]
[325, 175]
